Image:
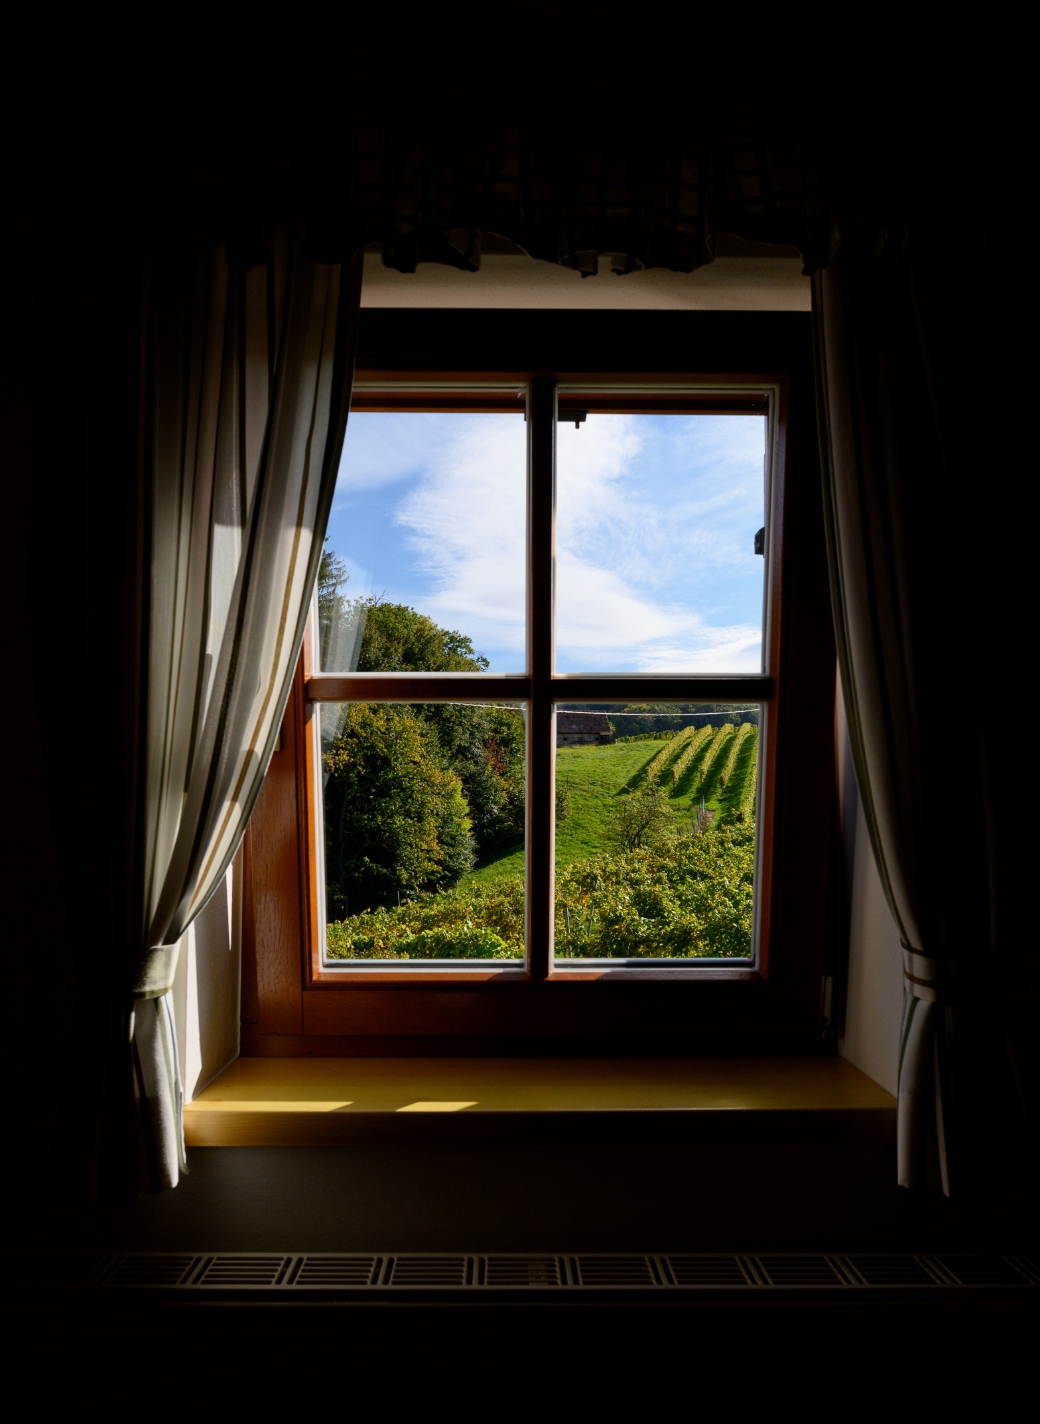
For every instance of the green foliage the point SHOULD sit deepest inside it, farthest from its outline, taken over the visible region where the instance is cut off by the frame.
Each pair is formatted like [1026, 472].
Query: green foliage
[746, 810]
[690, 750]
[398, 639]
[734, 751]
[472, 922]
[659, 762]
[484, 746]
[651, 721]
[396, 819]
[711, 756]
[639, 819]
[412, 794]
[687, 898]
[332, 603]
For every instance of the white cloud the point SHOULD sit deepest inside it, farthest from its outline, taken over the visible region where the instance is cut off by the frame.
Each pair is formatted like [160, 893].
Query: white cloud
[654, 527]
[468, 522]
[602, 625]
[379, 452]
[652, 519]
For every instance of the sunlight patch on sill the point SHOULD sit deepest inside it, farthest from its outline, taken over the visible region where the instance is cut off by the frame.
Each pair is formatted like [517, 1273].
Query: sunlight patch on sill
[256, 1105]
[435, 1107]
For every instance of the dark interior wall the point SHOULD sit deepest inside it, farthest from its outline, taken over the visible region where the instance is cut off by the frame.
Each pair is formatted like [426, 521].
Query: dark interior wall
[38, 963]
[548, 1196]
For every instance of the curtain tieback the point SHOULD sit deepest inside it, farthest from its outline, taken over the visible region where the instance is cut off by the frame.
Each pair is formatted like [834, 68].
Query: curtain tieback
[961, 979]
[156, 972]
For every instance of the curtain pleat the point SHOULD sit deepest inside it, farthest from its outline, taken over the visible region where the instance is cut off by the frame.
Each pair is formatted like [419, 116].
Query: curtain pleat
[249, 384]
[201, 409]
[923, 457]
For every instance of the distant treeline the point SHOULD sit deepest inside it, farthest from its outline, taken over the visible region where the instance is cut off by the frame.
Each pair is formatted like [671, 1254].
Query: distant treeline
[659, 720]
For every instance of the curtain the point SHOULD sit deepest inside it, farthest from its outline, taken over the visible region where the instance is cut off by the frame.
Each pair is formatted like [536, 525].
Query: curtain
[927, 384]
[241, 388]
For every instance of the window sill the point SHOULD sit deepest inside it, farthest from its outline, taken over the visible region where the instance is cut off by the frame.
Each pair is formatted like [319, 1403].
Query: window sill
[299, 1102]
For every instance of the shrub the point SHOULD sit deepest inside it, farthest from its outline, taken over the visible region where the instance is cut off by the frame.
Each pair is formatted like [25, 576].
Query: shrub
[743, 732]
[693, 746]
[639, 818]
[687, 897]
[711, 755]
[471, 922]
[396, 820]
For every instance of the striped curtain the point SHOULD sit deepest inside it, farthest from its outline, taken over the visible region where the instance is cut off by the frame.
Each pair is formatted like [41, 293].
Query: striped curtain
[247, 383]
[923, 454]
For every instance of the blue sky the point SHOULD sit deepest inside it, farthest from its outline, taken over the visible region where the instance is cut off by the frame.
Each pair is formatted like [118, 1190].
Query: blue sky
[656, 516]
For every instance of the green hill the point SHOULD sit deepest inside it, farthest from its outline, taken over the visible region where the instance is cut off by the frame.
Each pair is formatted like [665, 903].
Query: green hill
[593, 779]
[678, 896]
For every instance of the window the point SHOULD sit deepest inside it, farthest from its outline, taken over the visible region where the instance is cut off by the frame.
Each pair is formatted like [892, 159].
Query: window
[556, 772]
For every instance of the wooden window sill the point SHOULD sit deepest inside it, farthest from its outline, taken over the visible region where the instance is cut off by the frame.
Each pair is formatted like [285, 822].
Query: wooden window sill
[290, 1102]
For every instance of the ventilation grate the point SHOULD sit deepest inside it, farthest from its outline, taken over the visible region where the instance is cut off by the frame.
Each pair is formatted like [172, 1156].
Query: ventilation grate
[709, 1271]
[429, 1271]
[982, 1271]
[369, 1271]
[615, 1271]
[522, 1271]
[891, 1270]
[152, 1271]
[245, 1271]
[799, 1271]
[338, 1271]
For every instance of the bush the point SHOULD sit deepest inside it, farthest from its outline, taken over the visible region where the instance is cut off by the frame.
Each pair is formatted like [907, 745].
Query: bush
[396, 819]
[687, 898]
[472, 922]
[639, 819]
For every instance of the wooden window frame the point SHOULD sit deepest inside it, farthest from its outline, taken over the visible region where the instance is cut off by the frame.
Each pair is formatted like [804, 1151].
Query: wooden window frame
[293, 1004]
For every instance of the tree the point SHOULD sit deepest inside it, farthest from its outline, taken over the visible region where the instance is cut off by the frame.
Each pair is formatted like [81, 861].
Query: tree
[639, 818]
[396, 819]
[485, 748]
[398, 639]
[332, 604]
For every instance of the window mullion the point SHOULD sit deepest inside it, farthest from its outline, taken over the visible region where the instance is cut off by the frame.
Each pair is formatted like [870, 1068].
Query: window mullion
[541, 740]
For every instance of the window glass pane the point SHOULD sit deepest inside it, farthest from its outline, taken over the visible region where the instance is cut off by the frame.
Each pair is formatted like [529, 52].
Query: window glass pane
[424, 566]
[655, 834]
[656, 569]
[423, 809]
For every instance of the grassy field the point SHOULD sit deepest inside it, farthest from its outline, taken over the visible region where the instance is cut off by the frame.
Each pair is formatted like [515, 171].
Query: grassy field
[685, 895]
[593, 778]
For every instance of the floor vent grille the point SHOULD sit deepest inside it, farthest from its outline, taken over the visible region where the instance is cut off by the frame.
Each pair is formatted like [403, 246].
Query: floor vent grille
[364, 1272]
[799, 1271]
[245, 1271]
[523, 1271]
[891, 1270]
[429, 1271]
[152, 1271]
[615, 1271]
[982, 1271]
[338, 1271]
[710, 1271]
